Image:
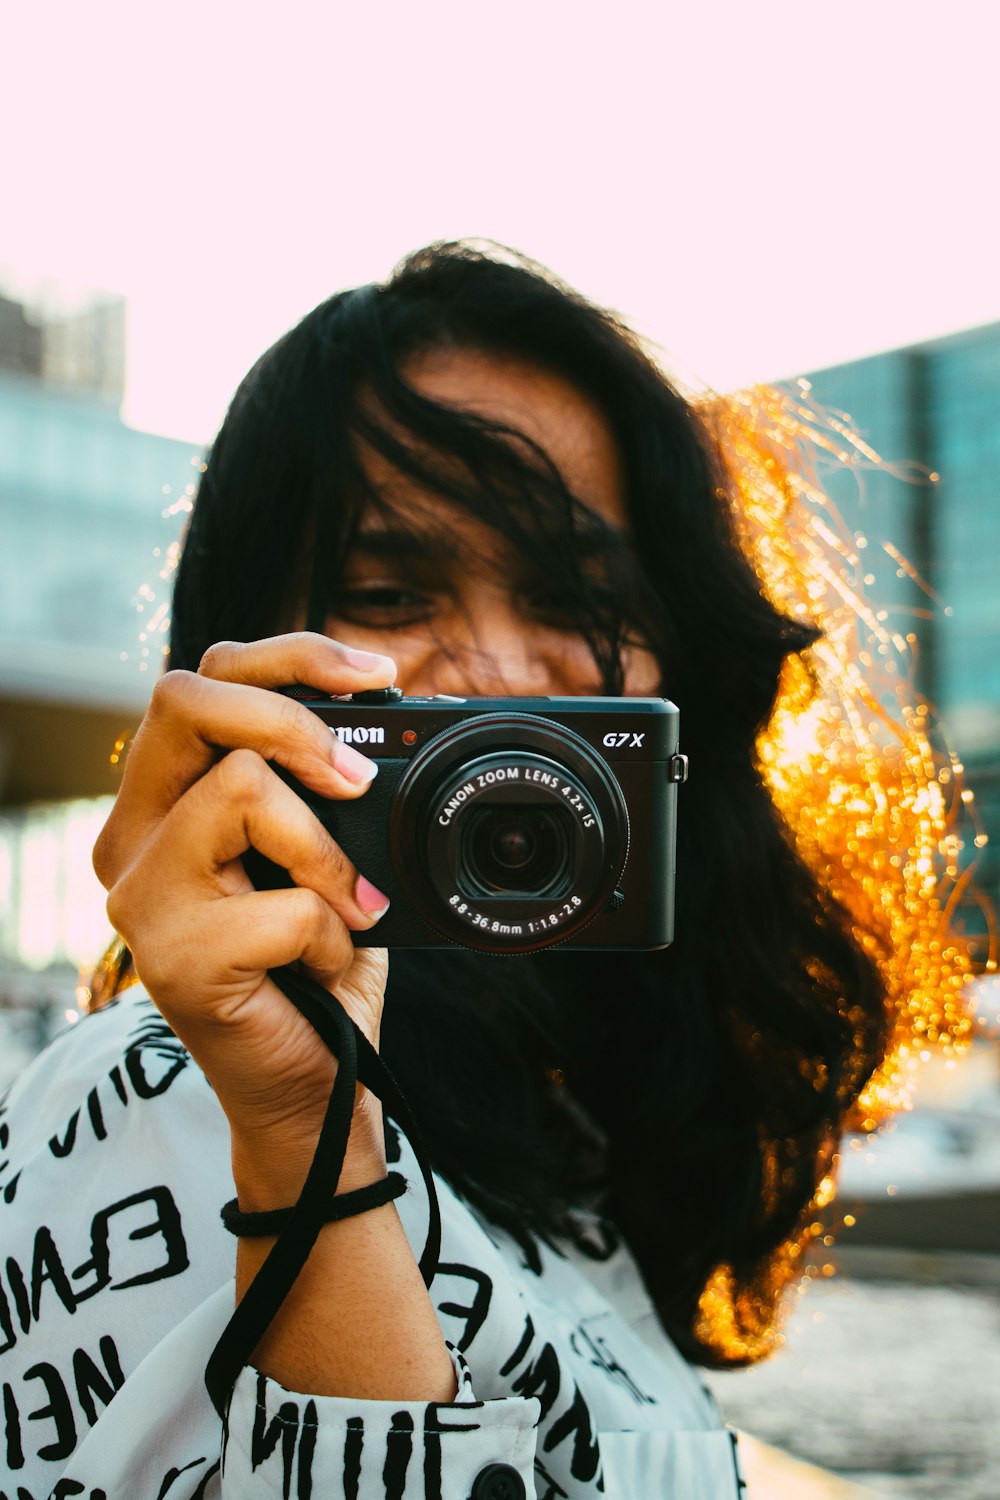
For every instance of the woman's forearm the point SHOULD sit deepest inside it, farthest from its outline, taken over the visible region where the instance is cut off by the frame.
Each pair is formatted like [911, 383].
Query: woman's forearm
[358, 1321]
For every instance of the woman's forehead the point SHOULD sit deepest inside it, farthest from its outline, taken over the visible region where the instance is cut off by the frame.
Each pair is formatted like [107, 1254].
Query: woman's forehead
[567, 424]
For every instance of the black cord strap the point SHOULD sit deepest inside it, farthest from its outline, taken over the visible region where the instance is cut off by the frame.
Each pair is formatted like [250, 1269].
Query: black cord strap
[357, 1061]
[344, 1206]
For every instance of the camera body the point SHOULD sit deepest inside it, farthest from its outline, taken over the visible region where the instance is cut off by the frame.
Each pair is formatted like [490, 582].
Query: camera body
[508, 825]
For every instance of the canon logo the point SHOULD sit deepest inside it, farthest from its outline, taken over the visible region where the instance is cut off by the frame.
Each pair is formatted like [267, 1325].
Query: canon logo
[360, 734]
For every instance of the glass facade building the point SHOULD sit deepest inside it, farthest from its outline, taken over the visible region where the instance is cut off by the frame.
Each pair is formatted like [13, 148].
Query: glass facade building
[82, 502]
[90, 515]
[938, 405]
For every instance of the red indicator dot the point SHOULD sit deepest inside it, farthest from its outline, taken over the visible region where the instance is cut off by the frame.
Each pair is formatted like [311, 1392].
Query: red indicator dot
[409, 736]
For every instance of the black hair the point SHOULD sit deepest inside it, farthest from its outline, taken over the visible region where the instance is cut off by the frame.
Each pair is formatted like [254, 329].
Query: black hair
[692, 1094]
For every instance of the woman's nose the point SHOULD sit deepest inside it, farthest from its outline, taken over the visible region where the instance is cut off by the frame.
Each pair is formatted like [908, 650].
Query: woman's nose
[497, 667]
[494, 652]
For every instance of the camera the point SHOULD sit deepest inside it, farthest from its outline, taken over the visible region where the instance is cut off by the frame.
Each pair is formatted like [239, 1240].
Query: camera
[507, 825]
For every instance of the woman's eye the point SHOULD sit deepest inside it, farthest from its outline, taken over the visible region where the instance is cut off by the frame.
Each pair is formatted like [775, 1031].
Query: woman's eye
[385, 600]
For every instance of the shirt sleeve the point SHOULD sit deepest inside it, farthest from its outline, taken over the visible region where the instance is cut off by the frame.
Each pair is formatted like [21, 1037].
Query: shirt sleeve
[279, 1443]
[161, 1439]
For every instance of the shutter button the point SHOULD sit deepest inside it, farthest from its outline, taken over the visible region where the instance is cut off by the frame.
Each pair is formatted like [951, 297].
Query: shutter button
[375, 696]
[498, 1482]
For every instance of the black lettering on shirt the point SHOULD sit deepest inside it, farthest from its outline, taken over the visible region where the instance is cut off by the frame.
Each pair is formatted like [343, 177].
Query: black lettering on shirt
[575, 1420]
[152, 1043]
[166, 1483]
[63, 1146]
[147, 1083]
[435, 1418]
[96, 1115]
[15, 1280]
[432, 1466]
[93, 1384]
[118, 1084]
[436, 1425]
[166, 1224]
[398, 1452]
[265, 1435]
[307, 1449]
[523, 1345]
[354, 1441]
[475, 1313]
[66, 1487]
[540, 1378]
[46, 1266]
[6, 1323]
[59, 1410]
[12, 1429]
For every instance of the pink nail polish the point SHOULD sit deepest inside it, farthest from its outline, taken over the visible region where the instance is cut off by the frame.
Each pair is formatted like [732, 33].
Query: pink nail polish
[370, 898]
[364, 661]
[352, 764]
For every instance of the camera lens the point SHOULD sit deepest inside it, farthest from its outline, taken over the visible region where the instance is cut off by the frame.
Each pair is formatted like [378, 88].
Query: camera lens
[522, 850]
[508, 832]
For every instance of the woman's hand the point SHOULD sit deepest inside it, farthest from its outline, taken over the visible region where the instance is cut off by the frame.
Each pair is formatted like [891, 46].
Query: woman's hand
[197, 792]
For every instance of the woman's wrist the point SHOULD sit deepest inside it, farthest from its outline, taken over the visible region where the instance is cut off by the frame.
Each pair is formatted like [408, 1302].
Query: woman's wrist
[270, 1165]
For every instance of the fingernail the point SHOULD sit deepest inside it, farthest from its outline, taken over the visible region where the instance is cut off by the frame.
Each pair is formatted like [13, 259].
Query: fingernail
[370, 898]
[366, 661]
[351, 763]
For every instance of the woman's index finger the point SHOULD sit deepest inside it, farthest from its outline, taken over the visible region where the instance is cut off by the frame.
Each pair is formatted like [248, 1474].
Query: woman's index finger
[301, 657]
[191, 721]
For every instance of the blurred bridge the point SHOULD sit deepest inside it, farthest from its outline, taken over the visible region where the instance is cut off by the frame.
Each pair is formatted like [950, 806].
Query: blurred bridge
[89, 513]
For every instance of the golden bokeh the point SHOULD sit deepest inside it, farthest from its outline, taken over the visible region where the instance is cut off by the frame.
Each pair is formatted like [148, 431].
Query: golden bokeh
[869, 790]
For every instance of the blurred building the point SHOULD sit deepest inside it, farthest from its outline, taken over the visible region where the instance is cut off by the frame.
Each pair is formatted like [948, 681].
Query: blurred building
[68, 337]
[937, 405]
[85, 539]
[90, 515]
[20, 339]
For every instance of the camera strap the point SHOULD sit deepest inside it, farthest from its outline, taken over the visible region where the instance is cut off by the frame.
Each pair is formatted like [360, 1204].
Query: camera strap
[357, 1061]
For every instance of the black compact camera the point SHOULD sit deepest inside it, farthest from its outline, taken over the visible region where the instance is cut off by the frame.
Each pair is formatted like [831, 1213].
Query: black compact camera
[508, 824]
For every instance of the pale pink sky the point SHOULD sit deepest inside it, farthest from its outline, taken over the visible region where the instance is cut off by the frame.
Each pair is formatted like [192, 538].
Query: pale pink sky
[763, 190]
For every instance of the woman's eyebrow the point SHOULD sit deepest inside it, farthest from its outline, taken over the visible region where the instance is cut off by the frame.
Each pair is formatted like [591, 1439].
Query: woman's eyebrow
[589, 541]
[383, 543]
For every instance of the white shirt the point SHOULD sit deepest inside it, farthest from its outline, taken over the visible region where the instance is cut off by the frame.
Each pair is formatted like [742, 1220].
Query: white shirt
[116, 1280]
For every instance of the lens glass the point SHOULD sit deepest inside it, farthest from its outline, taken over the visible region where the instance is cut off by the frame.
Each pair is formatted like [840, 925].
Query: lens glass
[507, 832]
[523, 849]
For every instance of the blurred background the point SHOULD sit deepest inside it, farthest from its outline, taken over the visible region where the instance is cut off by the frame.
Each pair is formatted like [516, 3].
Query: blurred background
[769, 196]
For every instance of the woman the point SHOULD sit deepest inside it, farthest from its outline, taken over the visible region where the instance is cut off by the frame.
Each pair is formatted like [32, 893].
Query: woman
[466, 481]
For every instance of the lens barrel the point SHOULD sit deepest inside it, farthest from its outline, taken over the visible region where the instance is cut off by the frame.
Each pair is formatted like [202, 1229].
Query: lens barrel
[508, 832]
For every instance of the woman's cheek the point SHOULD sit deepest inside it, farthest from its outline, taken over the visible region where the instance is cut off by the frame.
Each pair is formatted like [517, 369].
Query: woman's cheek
[579, 676]
[643, 678]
